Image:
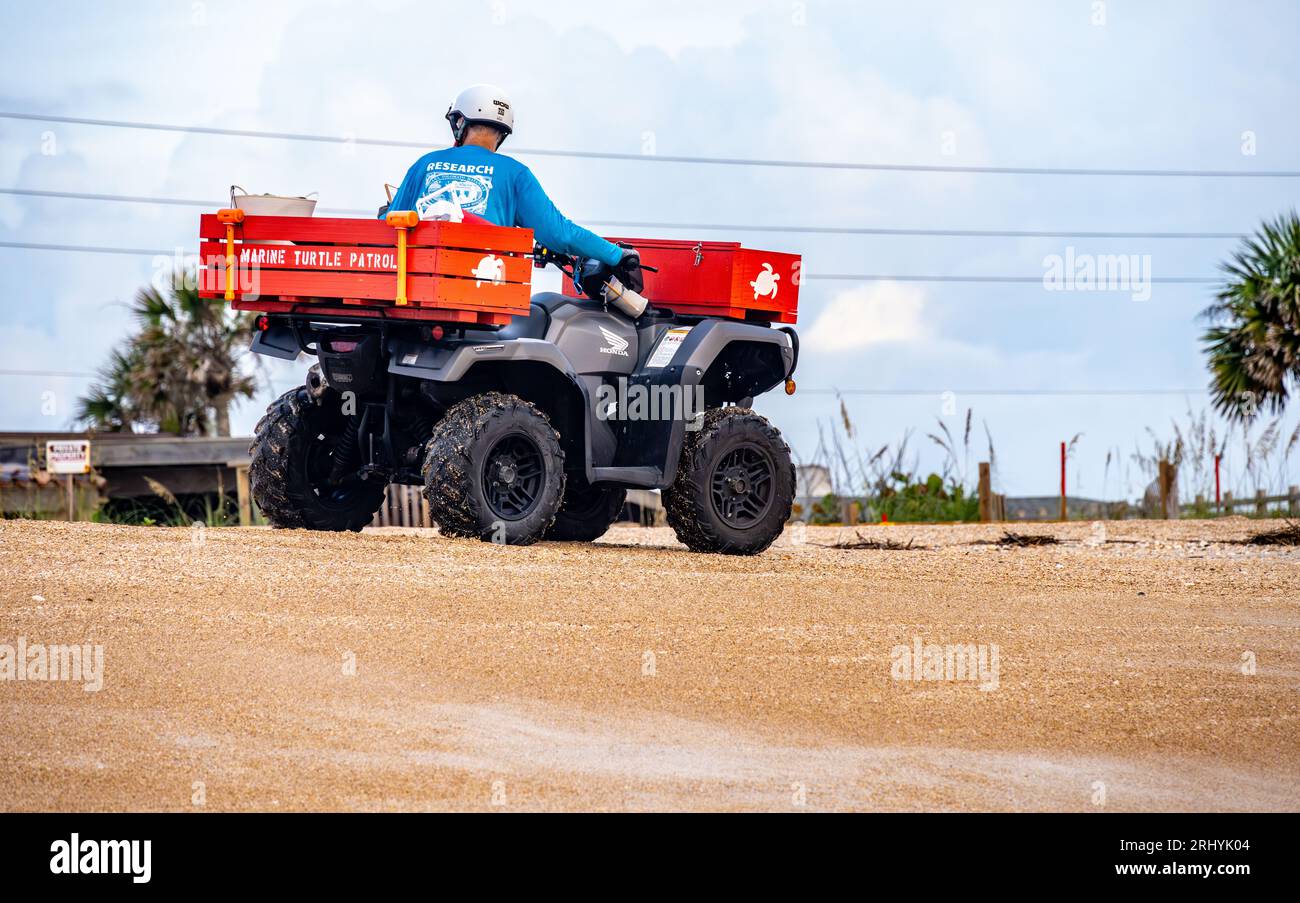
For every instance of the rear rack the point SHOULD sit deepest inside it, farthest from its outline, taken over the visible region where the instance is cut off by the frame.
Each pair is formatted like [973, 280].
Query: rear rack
[465, 274]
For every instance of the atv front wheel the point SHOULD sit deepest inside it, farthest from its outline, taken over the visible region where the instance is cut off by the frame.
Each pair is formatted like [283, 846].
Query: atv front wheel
[734, 487]
[586, 513]
[494, 469]
[294, 449]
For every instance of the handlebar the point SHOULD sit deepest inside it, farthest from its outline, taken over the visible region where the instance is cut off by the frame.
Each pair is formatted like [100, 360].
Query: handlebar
[542, 256]
[594, 279]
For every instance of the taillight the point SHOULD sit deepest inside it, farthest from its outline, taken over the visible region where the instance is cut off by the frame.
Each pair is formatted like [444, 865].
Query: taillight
[342, 346]
[263, 323]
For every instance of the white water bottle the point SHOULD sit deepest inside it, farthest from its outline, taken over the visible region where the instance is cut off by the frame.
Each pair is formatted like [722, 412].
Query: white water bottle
[619, 296]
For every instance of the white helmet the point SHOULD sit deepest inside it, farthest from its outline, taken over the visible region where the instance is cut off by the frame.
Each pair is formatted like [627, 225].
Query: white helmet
[485, 104]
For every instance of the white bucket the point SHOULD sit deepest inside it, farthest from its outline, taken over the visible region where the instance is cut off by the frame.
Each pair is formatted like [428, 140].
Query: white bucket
[273, 205]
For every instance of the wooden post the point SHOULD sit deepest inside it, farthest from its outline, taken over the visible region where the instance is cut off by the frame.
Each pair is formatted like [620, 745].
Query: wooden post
[1218, 499]
[1261, 506]
[986, 493]
[244, 497]
[1228, 505]
[999, 507]
[1064, 511]
[1293, 500]
[72, 500]
[1166, 481]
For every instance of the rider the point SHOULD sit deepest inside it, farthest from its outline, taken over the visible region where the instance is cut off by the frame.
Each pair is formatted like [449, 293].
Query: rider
[472, 177]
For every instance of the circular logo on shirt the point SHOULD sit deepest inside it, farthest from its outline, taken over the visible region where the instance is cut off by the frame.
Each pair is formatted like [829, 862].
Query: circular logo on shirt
[469, 192]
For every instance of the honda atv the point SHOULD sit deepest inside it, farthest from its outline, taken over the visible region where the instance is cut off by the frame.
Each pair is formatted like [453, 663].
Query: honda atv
[536, 428]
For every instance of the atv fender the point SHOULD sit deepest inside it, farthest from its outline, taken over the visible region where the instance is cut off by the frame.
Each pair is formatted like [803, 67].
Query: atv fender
[708, 340]
[649, 448]
[449, 363]
[277, 340]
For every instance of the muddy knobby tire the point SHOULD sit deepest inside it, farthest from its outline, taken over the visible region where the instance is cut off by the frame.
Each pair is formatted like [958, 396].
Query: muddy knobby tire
[690, 504]
[278, 477]
[460, 454]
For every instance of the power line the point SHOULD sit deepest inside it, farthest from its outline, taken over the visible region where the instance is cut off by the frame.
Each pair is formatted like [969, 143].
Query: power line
[936, 233]
[999, 280]
[854, 277]
[78, 374]
[711, 227]
[147, 199]
[70, 374]
[1006, 392]
[666, 158]
[87, 249]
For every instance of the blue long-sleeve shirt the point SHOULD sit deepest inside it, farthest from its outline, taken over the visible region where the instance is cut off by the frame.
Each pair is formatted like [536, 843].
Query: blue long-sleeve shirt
[502, 190]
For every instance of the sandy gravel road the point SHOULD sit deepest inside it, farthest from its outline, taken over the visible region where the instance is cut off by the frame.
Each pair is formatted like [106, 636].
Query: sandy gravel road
[284, 670]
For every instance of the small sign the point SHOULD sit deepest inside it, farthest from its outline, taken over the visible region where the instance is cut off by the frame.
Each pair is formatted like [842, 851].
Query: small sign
[68, 456]
[667, 347]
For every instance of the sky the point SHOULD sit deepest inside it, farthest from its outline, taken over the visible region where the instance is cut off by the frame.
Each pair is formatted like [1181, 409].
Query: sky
[1118, 84]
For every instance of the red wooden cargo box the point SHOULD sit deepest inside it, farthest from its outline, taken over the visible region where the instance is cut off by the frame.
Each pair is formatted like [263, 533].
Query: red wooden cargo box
[469, 273]
[718, 279]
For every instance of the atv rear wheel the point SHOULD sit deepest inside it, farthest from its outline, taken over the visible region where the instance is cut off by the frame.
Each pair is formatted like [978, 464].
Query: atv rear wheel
[734, 487]
[494, 469]
[586, 513]
[293, 453]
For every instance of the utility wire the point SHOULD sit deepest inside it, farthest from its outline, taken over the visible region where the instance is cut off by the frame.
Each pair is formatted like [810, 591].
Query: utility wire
[1000, 280]
[711, 227]
[1007, 392]
[71, 374]
[937, 233]
[87, 249]
[870, 392]
[147, 199]
[666, 158]
[853, 277]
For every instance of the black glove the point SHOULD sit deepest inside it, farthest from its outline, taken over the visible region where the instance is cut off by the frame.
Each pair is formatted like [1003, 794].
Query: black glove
[629, 272]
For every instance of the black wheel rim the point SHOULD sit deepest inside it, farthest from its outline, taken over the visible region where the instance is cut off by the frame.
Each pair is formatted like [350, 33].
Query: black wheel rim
[513, 474]
[741, 487]
[318, 466]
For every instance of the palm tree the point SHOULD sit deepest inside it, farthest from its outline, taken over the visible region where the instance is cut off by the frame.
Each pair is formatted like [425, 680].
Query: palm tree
[107, 407]
[179, 372]
[1254, 341]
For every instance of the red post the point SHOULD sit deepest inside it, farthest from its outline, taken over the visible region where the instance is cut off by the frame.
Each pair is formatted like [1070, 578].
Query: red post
[1218, 500]
[1063, 508]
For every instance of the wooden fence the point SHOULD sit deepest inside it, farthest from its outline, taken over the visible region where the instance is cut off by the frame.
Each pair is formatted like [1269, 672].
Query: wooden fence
[404, 506]
[1261, 501]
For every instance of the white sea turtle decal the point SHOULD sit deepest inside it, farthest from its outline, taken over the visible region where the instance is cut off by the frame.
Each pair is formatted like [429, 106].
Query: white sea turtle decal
[765, 284]
[490, 269]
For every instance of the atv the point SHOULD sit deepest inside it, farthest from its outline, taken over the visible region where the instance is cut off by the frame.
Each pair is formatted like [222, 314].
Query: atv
[534, 429]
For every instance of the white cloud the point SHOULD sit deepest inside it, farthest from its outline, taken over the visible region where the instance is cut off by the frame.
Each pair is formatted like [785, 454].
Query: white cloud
[866, 315]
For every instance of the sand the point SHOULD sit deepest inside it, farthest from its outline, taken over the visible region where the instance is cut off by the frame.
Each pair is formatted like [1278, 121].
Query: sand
[252, 669]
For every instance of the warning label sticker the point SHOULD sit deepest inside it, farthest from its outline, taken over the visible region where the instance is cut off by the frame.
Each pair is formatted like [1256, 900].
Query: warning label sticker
[667, 347]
